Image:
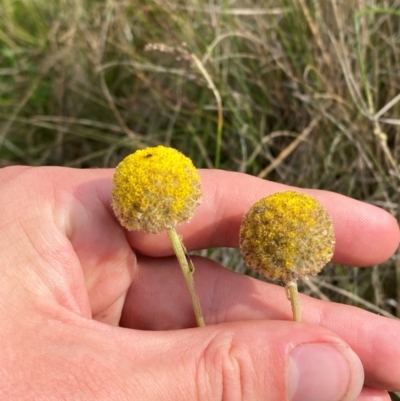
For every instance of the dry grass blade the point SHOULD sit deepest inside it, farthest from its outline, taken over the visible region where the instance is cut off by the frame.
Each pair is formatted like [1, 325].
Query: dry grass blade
[354, 298]
[290, 148]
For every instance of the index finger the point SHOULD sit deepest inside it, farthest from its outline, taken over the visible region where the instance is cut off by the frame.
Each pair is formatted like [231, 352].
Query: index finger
[365, 234]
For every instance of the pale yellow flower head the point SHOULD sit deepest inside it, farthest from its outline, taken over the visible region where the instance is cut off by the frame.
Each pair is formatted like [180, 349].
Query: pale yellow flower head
[287, 236]
[155, 189]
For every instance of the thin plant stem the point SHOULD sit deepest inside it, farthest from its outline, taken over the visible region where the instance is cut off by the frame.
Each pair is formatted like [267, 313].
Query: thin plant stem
[218, 99]
[293, 296]
[188, 271]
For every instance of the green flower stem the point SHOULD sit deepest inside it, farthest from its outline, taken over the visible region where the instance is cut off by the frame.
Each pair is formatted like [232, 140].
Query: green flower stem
[293, 296]
[187, 270]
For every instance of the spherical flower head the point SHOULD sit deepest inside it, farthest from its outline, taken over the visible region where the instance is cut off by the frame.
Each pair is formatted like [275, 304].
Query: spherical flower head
[287, 236]
[155, 189]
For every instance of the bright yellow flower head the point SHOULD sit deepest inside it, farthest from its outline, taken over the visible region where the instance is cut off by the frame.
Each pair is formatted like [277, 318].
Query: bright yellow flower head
[286, 236]
[155, 189]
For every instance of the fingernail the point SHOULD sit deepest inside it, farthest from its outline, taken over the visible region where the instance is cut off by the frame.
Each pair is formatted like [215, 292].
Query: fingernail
[324, 372]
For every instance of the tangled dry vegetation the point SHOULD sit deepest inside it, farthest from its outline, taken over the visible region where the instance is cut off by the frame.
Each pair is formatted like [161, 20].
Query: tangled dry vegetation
[304, 92]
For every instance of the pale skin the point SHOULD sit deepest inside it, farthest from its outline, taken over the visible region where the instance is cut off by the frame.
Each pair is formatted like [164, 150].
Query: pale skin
[92, 312]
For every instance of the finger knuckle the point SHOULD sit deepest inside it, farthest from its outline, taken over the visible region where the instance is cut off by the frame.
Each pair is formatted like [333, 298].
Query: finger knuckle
[225, 370]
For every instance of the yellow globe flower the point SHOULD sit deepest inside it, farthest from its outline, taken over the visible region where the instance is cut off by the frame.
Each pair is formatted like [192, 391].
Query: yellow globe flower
[287, 236]
[155, 189]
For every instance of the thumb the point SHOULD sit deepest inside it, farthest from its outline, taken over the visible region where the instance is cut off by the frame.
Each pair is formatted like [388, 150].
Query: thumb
[267, 360]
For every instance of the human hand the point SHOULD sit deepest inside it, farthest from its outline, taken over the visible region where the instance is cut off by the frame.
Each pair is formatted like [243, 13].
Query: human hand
[72, 275]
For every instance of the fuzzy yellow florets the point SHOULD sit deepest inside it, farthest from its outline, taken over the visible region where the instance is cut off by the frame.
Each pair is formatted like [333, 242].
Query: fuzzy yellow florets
[286, 236]
[155, 189]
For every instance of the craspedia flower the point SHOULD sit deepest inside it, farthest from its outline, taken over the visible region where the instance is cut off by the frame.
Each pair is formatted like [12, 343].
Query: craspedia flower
[155, 189]
[287, 236]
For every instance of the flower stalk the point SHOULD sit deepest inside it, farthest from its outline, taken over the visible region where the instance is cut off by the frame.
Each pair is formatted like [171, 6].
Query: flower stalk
[188, 271]
[293, 296]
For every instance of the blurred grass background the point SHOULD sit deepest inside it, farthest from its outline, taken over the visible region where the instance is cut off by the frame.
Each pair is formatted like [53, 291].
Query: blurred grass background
[303, 92]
